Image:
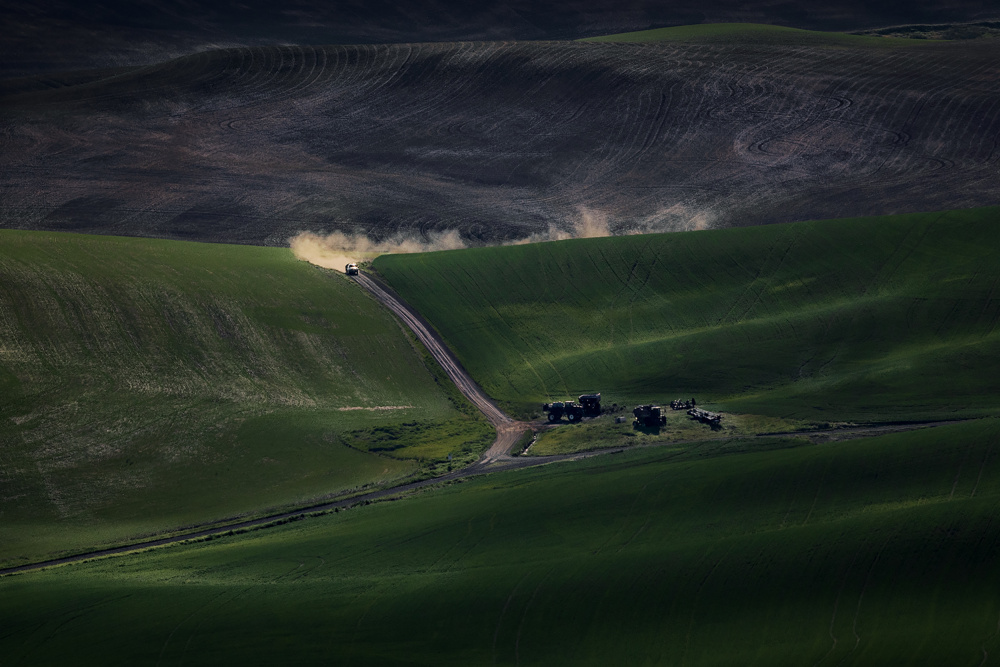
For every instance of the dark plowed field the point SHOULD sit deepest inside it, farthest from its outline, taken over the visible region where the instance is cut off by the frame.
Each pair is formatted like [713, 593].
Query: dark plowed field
[502, 140]
[74, 34]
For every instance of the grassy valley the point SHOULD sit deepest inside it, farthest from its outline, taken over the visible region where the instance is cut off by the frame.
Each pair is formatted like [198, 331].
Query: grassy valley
[148, 385]
[739, 549]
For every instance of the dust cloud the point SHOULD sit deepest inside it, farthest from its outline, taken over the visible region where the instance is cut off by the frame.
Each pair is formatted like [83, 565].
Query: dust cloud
[336, 250]
[589, 224]
[676, 218]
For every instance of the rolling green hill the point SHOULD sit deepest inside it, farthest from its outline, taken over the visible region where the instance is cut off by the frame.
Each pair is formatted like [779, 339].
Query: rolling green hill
[874, 319]
[147, 385]
[752, 33]
[871, 552]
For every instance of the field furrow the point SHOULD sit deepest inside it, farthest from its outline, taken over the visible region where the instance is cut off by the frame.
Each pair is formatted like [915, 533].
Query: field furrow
[502, 140]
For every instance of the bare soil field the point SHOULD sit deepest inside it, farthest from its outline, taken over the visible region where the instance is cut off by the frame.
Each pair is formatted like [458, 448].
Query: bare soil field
[502, 140]
[63, 34]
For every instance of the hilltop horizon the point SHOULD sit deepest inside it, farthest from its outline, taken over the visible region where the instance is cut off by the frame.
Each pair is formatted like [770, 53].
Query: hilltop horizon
[62, 35]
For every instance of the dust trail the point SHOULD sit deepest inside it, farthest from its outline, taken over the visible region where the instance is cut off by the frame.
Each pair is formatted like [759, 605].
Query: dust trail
[676, 218]
[592, 224]
[589, 224]
[336, 250]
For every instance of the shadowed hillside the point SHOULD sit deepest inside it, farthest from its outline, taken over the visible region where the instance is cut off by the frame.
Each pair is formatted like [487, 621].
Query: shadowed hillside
[865, 319]
[60, 34]
[502, 140]
[876, 552]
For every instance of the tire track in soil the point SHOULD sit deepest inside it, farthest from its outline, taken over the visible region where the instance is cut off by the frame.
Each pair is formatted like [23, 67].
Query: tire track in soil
[695, 601]
[861, 597]
[508, 430]
[503, 612]
[982, 467]
[524, 617]
[836, 604]
[986, 655]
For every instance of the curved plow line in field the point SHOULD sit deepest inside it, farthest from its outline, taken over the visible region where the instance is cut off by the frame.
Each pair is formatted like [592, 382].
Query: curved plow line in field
[812, 115]
[249, 97]
[617, 152]
[325, 65]
[925, 98]
[422, 105]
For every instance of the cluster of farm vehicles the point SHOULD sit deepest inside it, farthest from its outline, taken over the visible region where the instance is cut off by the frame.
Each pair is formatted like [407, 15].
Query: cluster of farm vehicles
[589, 405]
[649, 416]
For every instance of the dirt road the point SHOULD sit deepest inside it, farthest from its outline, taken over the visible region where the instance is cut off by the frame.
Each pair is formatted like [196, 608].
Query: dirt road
[508, 430]
[483, 466]
[496, 458]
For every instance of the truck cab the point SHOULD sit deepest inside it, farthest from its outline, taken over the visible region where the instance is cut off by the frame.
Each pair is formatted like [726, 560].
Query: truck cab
[351, 269]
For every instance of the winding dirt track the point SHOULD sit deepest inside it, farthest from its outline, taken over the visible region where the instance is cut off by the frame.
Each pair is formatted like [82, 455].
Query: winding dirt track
[496, 458]
[508, 430]
[478, 468]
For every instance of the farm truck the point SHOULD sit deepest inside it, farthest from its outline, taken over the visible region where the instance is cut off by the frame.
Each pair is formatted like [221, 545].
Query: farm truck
[589, 405]
[649, 416]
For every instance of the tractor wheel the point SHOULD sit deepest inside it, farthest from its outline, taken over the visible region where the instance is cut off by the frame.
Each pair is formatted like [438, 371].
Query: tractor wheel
[571, 416]
[553, 417]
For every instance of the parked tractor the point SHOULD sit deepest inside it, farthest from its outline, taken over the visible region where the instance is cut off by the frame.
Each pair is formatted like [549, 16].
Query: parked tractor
[589, 406]
[649, 416]
[351, 269]
[681, 404]
[573, 411]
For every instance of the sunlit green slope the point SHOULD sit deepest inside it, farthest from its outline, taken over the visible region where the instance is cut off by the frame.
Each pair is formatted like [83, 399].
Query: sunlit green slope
[756, 33]
[146, 385]
[874, 319]
[872, 552]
